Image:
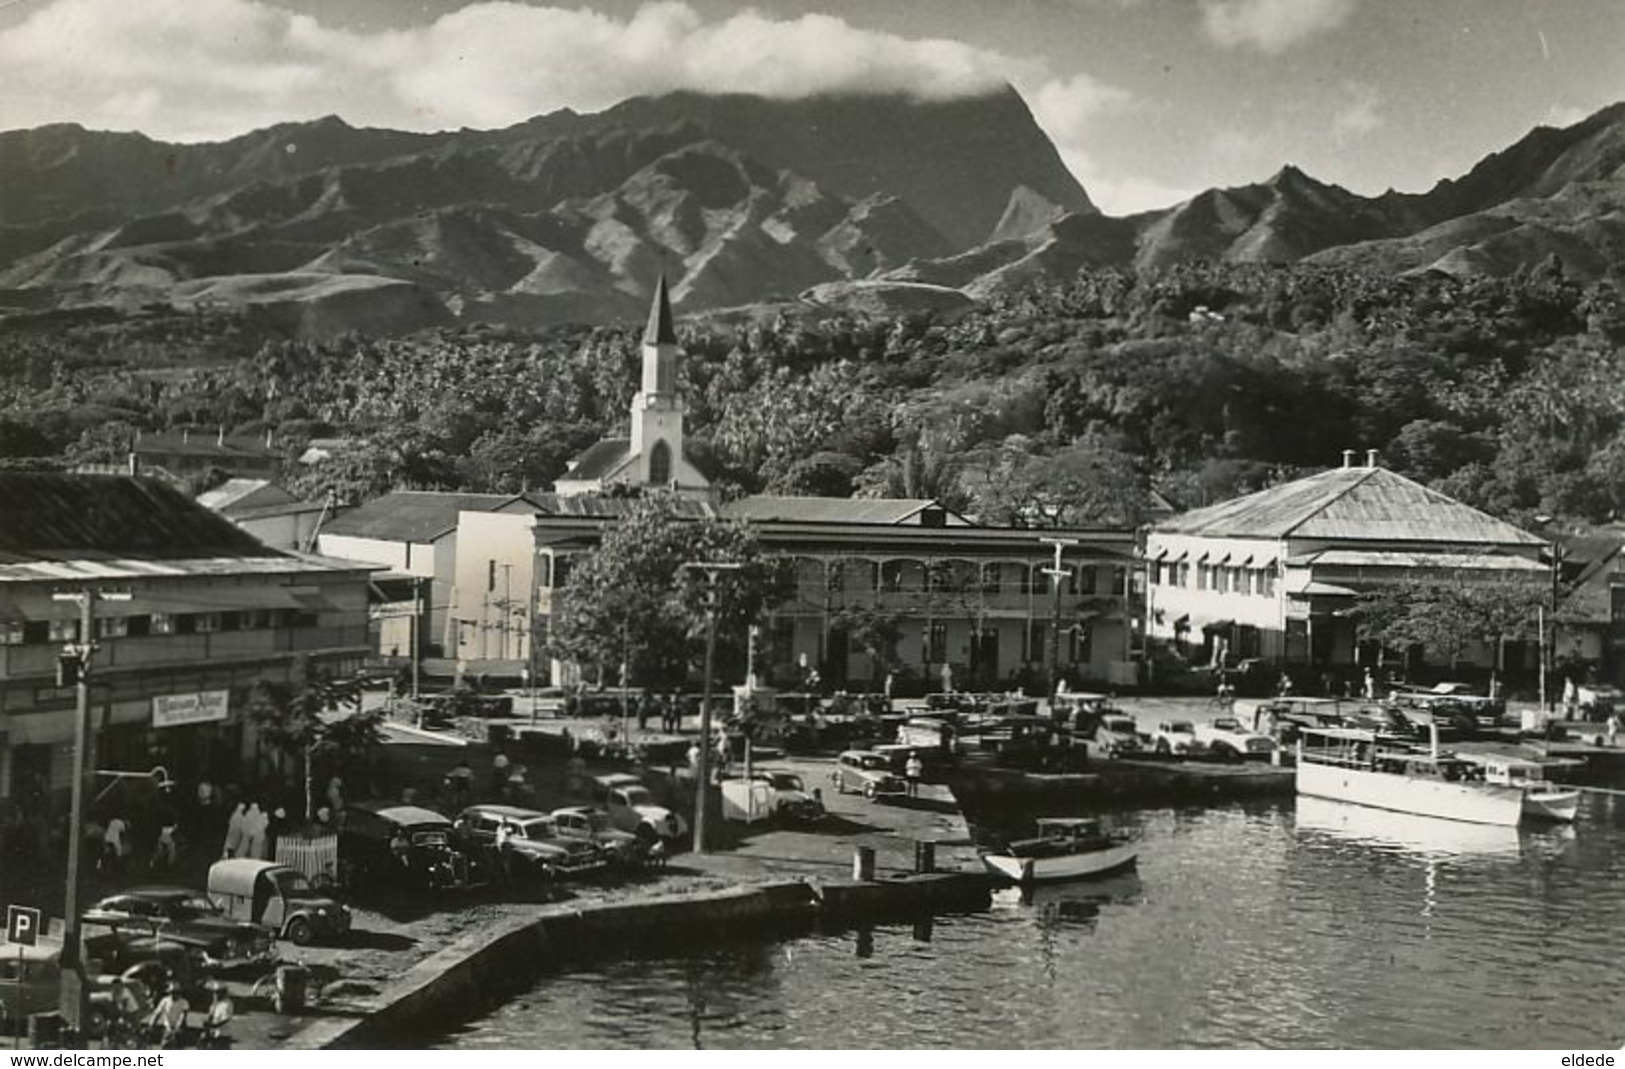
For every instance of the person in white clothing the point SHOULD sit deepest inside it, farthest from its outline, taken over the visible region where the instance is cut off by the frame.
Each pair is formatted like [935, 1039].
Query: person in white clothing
[234, 832]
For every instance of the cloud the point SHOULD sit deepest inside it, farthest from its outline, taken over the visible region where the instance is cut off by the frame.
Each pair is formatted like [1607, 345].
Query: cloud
[190, 69]
[1272, 26]
[1358, 117]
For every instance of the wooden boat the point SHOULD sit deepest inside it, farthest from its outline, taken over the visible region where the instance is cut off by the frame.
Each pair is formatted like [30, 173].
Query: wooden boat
[1542, 799]
[1065, 848]
[1352, 765]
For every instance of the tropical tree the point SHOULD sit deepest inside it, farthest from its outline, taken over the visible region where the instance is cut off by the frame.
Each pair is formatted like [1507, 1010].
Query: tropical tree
[288, 717]
[632, 601]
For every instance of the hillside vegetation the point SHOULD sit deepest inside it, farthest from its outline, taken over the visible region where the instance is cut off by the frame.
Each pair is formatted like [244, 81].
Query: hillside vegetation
[1061, 402]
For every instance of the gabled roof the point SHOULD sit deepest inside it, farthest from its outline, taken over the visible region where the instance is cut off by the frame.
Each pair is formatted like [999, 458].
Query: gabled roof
[881, 510]
[57, 516]
[235, 495]
[603, 505]
[599, 461]
[659, 330]
[411, 515]
[1354, 504]
[1590, 598]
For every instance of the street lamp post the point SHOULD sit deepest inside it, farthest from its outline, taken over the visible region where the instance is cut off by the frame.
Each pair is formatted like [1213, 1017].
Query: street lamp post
[77, 657]
[711, 569]
[1056, 574]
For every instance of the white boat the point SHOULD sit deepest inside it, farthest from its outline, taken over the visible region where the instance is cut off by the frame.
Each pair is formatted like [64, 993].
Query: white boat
[1406, 833]
[1542, 799]
[1351, 765]
[1065, 848]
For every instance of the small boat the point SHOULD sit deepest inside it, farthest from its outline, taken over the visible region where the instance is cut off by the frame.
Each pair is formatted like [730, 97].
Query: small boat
[1542, 799]
[1065, 848]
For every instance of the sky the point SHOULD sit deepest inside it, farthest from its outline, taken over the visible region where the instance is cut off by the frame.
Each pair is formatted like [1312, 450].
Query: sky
[1148, 101]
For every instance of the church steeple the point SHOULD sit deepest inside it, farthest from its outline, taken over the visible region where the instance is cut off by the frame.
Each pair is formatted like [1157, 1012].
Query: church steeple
[660, 331]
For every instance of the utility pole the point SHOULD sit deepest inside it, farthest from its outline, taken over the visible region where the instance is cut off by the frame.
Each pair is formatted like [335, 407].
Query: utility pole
[712, 569]
[1056, 573]
[417, 633]
[76, 658]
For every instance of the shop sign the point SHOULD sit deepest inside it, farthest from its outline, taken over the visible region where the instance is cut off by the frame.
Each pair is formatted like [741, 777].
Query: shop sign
[174, 710]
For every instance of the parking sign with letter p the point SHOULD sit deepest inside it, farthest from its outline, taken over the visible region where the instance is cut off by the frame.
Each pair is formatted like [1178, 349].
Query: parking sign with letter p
[22, 925]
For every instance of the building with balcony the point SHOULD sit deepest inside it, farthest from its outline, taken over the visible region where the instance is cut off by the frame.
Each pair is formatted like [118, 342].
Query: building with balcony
[1276, 574]
[975, 599]
[196, 612]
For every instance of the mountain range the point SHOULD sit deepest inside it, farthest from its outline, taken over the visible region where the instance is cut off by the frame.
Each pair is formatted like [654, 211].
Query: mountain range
[883, 202]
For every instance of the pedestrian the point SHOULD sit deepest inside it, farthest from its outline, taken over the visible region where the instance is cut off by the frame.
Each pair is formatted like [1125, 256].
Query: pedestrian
[115, 843]
[1370, 686]
[164, 852]
[1283, 686]
[891, 679]
[255, 823]
[1613, 727]
[170, 1015]
[335, 797]
[913, 770]
[499, 772]
[400, 847]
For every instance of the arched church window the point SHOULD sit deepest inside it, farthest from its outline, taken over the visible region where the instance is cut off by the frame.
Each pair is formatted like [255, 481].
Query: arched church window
[660, 463]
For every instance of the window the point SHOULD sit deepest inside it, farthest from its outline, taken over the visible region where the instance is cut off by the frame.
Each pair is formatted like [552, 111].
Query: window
[205, 623]
[1119, 579]
[1083, 580]
[36, 632]
[938, 650]
[163, 623]
[1081, 644]
[660, 464]
[232, 621]
[561, 571]
[1024, 579]
[1201, 577]
[990, 578]
[891, 576]
[11, 634]
[1037, 632]
[64, 631]
[1266, 583]
[112, 627]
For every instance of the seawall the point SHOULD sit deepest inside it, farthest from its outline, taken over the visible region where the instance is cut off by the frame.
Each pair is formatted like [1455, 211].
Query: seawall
[481, 968]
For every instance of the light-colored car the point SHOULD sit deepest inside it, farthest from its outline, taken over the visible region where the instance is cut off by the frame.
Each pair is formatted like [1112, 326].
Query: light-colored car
[1225, 736]
[632, 808]
[791, 800]
[532, 838]
[868, 774]
[1177, 737]
[1116, 734]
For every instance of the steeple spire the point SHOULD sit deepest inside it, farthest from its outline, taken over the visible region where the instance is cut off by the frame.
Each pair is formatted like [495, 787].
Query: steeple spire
[660, 331]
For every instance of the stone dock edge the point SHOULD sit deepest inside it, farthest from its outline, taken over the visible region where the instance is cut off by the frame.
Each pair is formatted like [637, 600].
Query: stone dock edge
[482, 967]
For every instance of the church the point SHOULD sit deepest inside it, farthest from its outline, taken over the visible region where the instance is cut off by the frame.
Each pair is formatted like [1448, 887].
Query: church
[653, 454]
[973, 603]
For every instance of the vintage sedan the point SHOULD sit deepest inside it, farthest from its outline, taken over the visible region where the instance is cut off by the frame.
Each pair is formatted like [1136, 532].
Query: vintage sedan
[135, 925]
[1226, 737]
[1177, 737]
[532, 843]
[392, 846]
[632, 809]
[593, 825]
[867, 773]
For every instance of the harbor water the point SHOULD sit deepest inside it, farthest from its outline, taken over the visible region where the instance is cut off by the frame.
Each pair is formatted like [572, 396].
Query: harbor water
[1297, 924]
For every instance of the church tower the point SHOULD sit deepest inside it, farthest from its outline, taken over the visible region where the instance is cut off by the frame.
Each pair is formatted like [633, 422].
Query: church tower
[657, 409]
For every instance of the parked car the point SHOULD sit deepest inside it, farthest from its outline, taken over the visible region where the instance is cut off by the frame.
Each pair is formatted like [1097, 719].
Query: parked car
[277, 898]
[534, 844]
[632, 808]
[792, 802]
[125, 928]
[386, 845]
[592, 825]
[1598, 702]
[1115, 734]
[1224, 736]
[1177, 737]
[867, 773]
[30, 981]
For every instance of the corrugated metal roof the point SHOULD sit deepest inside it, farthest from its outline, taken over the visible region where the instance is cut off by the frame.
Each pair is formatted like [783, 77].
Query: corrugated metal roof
[591, 505]
[89, 570]
[1354, 504]
[884, 510]
[411, 515]
[55, 516]
[1351, 558]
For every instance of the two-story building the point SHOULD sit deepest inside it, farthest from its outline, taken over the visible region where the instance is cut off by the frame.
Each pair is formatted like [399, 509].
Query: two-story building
[1276, 574]
[189, 614]
[974, 599]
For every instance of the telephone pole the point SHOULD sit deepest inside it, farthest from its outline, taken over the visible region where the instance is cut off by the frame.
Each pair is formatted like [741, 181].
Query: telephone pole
[75, 662]
[1056, 573]
[712, 569]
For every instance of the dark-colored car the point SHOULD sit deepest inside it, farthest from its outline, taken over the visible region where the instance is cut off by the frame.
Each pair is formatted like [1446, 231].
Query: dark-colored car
[139, 924]
[593, 825]
[531, 841]
[388, 845]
